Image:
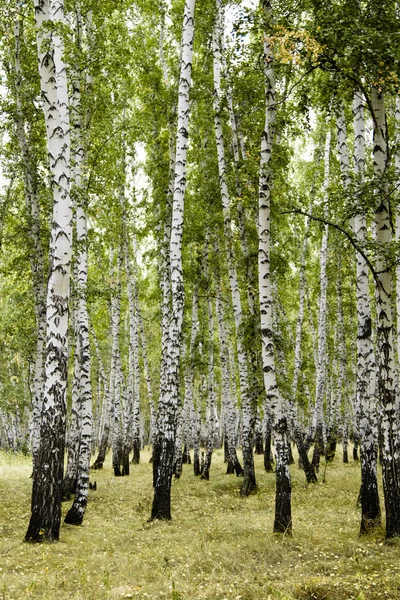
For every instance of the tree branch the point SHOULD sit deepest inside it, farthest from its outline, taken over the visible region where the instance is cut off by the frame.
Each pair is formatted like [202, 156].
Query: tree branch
[297, 211]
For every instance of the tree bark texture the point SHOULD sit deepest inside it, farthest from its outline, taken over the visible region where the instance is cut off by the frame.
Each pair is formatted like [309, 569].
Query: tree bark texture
[48, 473]
[167, 408]
[283, 515]
[322, 313]
[365, 388]
[247, 401]
[389, 402]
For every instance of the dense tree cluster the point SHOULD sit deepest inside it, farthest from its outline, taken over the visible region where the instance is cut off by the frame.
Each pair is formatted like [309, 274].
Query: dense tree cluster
[199, 243]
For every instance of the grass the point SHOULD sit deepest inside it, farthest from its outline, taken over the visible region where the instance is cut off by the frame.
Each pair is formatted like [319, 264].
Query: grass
[218, 545]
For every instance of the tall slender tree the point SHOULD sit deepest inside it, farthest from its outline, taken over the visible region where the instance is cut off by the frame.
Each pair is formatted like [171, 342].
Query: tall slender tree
[283, 513]
[48, 473]
[388, 399]
[366, 392]
[247, 399]
[163, 453]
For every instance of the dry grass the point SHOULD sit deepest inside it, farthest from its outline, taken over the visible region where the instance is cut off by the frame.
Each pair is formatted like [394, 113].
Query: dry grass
[217, 546]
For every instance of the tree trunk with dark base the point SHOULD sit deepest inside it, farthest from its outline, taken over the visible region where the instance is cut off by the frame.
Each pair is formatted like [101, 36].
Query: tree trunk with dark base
[71, 473]
[68, 488]
[230, 454]
[82, 372]
[268, 458]
[211, 408]
[196, 464]
[388, 397]
[136, 452]
[186, 459]
[234, 467]
[392, 498]
[345, 441]
[47, 484]
[125, 460]
[243, 354]
[164, 449]
[249, 484]
[259, 443]
[48, 472]
[318, 447]
[355, 450]
[98, 463]
[308, 468]
[283, 511]
[330, 449]
[163, 456]
[369, 496]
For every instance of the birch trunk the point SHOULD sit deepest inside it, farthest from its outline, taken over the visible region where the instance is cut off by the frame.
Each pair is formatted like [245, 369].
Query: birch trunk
[365, 392]
[248, 407]
[283, 517]
[48, 474]
[105, 411]
[70, 477]
[165, 274]
[150, 395]
[76, 512]
[189, 372]
[322, 312]
[163, 454]
[177, 465]
[211, 409]
[115, 379]
[134, 362]
[234, 465]
[300, 317]
[388, 400]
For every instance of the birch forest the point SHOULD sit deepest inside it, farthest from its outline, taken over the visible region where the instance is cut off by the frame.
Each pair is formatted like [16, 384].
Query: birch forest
[200, 290]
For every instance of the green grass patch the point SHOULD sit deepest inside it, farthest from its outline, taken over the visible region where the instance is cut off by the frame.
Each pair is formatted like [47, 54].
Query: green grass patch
[218, 545]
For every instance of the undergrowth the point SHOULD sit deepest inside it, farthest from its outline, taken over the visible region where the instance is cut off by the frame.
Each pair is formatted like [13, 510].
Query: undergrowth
[218, 545]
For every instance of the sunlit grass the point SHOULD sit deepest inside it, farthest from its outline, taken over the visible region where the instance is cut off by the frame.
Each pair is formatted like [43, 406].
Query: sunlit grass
[217, 546]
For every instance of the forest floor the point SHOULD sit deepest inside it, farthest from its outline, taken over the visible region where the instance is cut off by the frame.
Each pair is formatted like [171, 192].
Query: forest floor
[218, 545]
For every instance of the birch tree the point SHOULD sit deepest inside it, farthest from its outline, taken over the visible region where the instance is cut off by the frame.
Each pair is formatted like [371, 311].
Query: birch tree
[163, 453]
[322, 324]
[82, 346]
[366, 392]
[48, 473]
[283, 516]
[247, 401]
[388, 398]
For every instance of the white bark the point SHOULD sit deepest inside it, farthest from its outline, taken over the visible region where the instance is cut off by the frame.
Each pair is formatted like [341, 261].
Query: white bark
[168, 403]
[46, 496]
[115, 387]
[365, 404]
[150, 395]
[300, 316]
[283, 518]
[136, 373]
[249, 482]
[104, 430]
[77, 511]
[228, 400]
[322, 313]
[211, 400]
[389, 401]
[165, 258]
